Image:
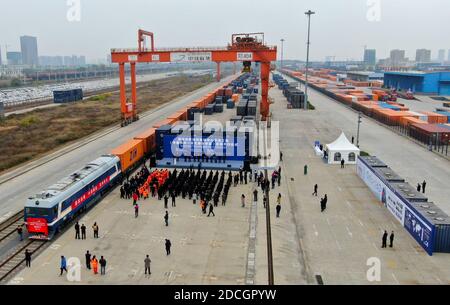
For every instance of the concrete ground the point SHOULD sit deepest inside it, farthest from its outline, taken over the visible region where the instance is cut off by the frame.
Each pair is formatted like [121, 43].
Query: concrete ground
[205, 250]
[337, 243]
[230, 248]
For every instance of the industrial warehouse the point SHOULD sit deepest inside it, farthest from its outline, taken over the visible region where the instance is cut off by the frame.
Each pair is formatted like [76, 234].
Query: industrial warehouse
[251, 164]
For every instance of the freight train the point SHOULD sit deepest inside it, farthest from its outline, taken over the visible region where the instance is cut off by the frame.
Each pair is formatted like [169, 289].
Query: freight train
[46, 213]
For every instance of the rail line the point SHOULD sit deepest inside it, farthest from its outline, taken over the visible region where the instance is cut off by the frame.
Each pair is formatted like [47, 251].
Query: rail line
[14, 261]
[9, 226]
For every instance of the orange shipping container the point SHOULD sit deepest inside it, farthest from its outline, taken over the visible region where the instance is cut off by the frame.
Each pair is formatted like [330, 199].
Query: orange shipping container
[129, 153]
[405, 121]
[435, 118]
[148, 138]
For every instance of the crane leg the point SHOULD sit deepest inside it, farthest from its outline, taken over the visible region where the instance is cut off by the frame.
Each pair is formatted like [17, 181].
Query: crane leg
[123, 97]
[265, 73]
[133, 90]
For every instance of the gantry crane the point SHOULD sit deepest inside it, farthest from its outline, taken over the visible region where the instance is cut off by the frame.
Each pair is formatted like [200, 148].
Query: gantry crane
[247, 48]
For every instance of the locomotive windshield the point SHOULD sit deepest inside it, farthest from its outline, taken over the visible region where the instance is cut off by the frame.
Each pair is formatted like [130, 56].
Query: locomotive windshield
[41, 212]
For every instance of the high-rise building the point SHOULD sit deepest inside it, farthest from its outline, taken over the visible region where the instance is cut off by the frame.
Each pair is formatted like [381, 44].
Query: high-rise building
[29, 50]
[370, 57]
[423, 55]
[441, 55]
[14, 58]
[397, 57]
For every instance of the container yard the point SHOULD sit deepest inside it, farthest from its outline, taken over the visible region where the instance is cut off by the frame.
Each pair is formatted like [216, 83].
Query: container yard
[256, 164]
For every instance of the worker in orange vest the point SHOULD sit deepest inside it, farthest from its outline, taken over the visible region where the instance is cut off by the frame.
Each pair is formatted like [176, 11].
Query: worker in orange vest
[94, 264]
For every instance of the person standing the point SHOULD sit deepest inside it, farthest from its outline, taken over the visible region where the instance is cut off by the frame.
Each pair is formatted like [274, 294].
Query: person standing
[315, 190]
[391, 240]
[211, 210]
[322, 205]
[264, 200]
[173, 200]
[166, 201]
[255, 195]
[77, 230]
[136, 210]
[94, 264]
[135, 197]
[20, 232]
[418, 187]
[63, 265]
[88, 259]
[168, 244]
[342, 163]
[278, 209]
[83, 231]
[281, 155]
[166, 218]
[102, 265]
[243, 200]
[95, 229]
[27, 258]
[424, 183]
[147, 262]
[384, 239]
[353, 139]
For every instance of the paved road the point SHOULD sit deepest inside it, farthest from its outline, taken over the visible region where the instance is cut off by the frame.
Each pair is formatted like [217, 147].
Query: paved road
[13, 193]
[411, 161]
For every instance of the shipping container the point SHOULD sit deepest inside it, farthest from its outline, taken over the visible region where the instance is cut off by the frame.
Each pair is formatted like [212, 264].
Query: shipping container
[148, 139]
[435, 118]
[408, 192]
[373, 161]
[129, 153]
[67, 96]
[388, 174]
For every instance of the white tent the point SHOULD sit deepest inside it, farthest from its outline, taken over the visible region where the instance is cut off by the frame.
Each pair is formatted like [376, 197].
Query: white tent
[340, 149]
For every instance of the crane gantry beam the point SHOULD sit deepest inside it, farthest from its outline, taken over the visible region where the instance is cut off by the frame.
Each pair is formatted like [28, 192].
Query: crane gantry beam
[244, 47]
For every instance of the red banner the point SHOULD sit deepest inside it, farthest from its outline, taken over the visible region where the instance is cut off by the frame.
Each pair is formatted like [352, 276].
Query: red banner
[37, 225]
[89, 193]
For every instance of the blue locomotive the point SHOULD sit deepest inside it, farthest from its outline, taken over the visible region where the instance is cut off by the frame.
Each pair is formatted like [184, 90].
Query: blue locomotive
[49, 210]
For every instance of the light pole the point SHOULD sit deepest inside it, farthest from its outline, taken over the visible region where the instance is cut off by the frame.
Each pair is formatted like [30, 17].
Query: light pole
[308, 13]
[282, 40]
[357, 133]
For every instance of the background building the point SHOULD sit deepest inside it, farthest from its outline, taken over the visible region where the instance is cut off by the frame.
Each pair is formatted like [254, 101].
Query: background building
[423, 55]
[397, 57]
[370, 57]
[441, 55]
[29, 50]
[419, 82]
[1, 63]
[14, 58]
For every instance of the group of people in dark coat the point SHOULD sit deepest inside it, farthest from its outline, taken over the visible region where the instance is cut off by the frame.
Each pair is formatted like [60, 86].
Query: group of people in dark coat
[131, 185]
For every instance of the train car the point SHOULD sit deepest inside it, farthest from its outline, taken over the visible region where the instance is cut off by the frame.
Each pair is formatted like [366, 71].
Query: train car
[148, 138]
[47, 212]
[130, 154]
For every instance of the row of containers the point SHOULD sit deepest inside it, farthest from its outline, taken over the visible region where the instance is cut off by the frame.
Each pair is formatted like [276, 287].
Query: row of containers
[429, 128]
[425, 221]
[144, 145]
[67, 96]
[295, 97]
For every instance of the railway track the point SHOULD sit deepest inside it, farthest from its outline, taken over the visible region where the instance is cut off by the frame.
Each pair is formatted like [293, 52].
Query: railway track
[9, 226]
[17, 258]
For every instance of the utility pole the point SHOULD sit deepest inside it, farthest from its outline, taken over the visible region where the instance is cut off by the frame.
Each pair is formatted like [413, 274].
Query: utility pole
[282, 40]
[308, 13]
[357, 133]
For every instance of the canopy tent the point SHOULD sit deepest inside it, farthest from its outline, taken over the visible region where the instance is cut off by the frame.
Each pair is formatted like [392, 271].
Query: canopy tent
[340, 149]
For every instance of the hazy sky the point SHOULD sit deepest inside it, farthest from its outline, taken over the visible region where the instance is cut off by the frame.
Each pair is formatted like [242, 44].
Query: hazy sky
[339, 28]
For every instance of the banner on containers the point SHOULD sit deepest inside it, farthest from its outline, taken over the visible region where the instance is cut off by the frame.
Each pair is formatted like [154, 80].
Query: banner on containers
[412, 221]
[244, 56]
[419, 229]
[190, 56]
[179, 146]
